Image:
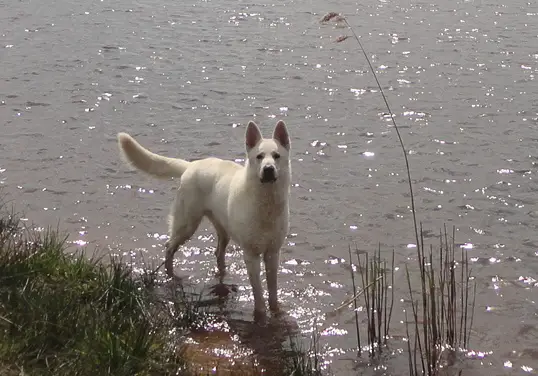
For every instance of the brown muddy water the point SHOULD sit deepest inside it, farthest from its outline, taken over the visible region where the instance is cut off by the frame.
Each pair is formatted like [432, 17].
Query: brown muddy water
[185, 77]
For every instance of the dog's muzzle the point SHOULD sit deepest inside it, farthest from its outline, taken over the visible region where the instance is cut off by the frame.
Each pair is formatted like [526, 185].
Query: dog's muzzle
[268, 174]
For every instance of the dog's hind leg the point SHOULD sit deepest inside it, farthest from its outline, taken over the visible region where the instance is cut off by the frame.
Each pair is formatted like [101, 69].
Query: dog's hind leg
[184, 220]
[223, 239]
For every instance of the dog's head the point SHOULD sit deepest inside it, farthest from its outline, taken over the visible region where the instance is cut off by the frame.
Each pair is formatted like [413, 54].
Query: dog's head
[268, 158]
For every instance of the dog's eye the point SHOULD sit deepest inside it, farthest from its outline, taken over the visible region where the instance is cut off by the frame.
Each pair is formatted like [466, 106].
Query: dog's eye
[259, 156]
[276, 155]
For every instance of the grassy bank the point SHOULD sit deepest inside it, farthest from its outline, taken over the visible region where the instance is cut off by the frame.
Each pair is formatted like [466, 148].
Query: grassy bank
[70, 315]
[63, 314]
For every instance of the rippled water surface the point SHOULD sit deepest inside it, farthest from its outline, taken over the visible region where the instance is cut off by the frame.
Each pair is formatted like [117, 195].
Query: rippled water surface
[185, 77]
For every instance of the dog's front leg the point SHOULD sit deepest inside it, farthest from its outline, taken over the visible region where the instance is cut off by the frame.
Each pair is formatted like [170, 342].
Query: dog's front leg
[252, 261]
[271, 260]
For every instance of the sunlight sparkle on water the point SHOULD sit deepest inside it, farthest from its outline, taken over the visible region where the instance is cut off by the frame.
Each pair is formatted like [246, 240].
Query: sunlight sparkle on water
[528, 281]
[478, 354]
[159, 237]
[332, 331]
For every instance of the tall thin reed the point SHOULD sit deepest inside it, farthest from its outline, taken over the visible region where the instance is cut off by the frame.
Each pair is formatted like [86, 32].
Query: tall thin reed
[355, 302]
[339, 18]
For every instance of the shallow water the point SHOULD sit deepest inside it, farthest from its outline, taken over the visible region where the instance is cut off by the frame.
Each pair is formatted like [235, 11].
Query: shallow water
[185, 78]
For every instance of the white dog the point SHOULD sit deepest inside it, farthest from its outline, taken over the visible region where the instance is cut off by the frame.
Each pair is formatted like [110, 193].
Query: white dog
[248, 204]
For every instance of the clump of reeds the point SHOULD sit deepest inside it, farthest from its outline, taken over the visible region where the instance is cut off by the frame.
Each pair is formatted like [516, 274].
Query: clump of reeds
[443, 311]
[377, 279]
[302, 362]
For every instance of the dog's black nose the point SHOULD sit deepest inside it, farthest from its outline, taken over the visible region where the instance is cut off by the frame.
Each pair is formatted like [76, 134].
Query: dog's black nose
[268, 174]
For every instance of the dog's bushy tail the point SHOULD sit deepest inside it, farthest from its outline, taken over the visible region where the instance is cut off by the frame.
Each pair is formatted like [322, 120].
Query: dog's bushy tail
[148, 162]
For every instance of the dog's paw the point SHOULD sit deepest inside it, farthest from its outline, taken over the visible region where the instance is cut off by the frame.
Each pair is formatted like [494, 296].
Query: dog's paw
[260, 317]
[222, 290]
[276, 309]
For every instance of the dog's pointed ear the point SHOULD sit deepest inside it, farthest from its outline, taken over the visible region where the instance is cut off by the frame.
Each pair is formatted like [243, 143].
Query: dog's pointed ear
[253, 135]
[281, 134]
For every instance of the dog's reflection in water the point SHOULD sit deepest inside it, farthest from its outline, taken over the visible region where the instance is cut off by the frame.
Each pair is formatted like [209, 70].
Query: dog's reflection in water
[238, 343]
[267, 341]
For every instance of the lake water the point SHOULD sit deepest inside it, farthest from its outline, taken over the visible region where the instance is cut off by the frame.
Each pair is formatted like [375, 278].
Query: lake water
[184, 77]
